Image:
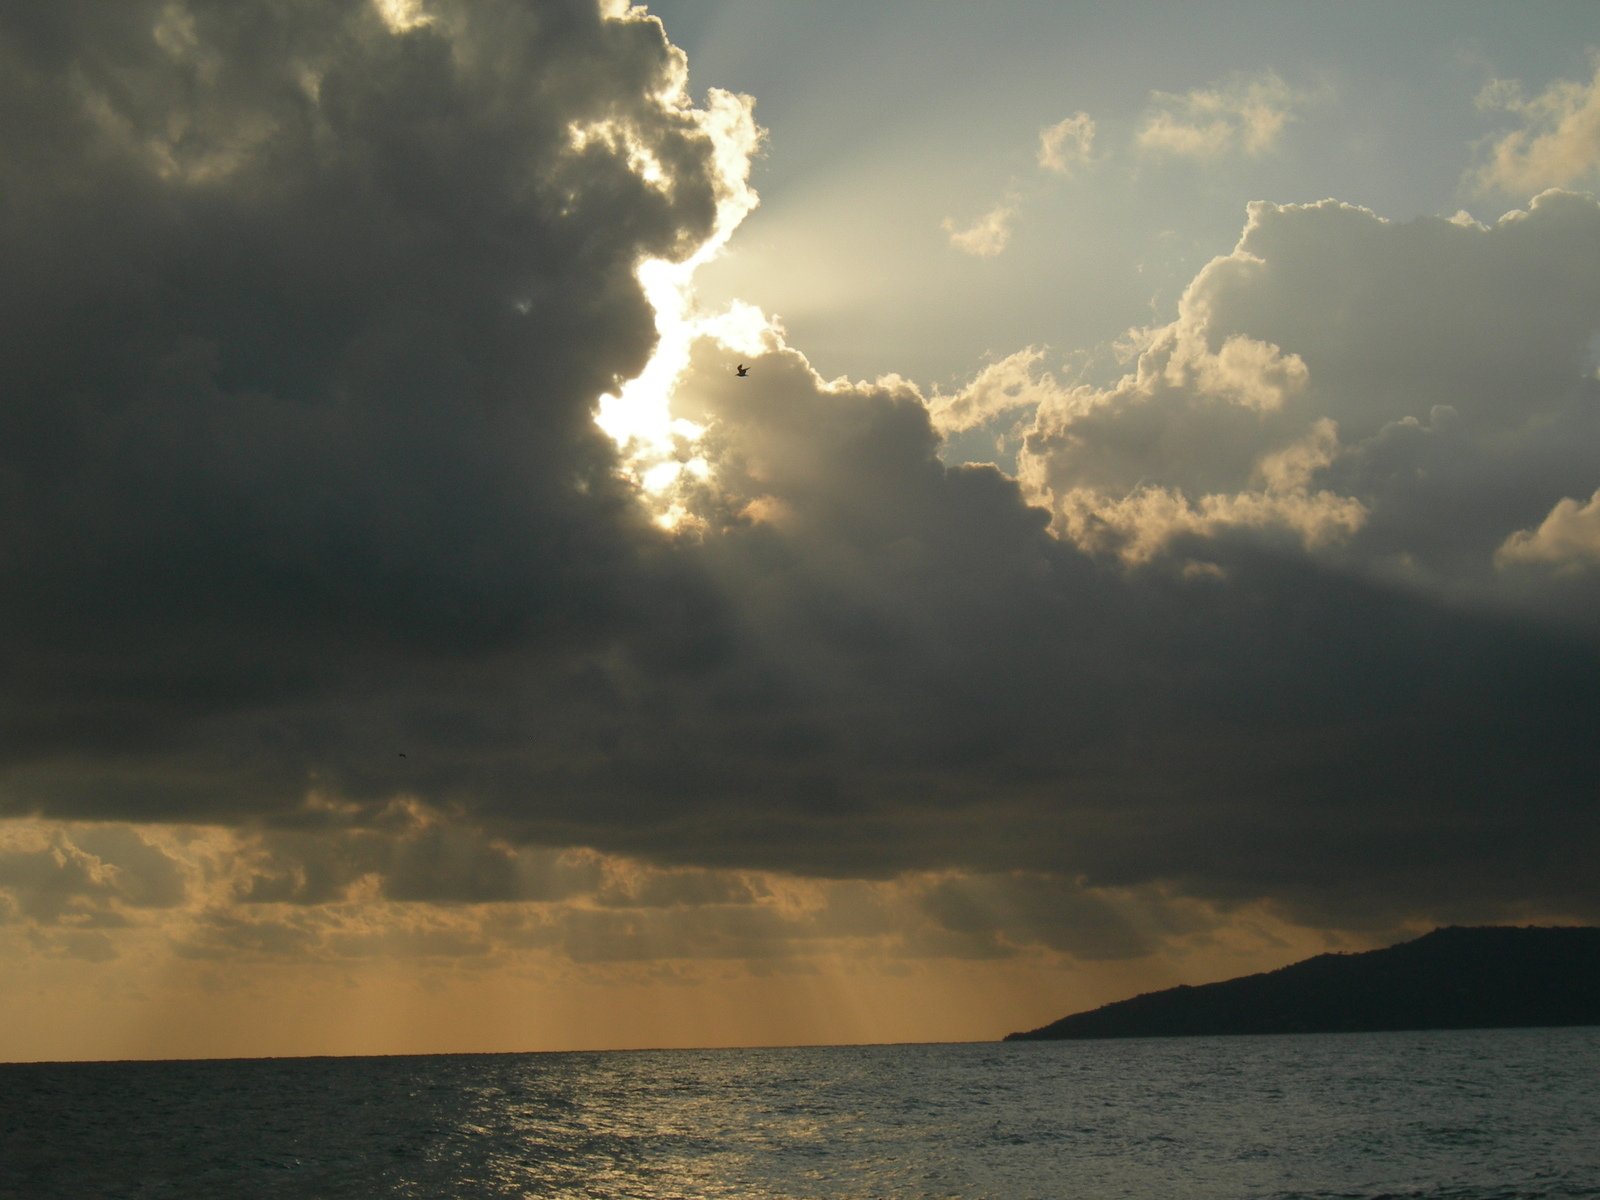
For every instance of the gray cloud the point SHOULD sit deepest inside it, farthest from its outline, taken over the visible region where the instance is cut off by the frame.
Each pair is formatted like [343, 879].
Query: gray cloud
[1240, 115]
[1068, 144]
[1038, 909]
[985, 236]
[1559, 142]
[309, 935]
[408, 852]
[87, 877]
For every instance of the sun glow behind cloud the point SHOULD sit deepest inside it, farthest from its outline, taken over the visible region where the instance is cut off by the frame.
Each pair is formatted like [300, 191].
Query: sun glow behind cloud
[402, 16]
[660, 450]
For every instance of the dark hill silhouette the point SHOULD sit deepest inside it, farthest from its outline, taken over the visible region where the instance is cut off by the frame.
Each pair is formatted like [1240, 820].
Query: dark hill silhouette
[1454, 978]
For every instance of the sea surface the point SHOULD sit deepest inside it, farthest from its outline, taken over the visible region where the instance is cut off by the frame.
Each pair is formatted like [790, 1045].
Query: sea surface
[1460, 1115]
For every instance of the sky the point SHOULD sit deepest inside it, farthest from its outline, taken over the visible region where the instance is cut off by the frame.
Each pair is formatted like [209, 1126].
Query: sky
[1157, 538]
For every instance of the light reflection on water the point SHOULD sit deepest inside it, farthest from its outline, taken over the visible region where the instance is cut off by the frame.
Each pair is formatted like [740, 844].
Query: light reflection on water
[1463, 1115]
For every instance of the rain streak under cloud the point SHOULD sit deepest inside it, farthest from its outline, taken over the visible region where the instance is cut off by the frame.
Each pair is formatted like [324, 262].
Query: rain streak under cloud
[400, 583]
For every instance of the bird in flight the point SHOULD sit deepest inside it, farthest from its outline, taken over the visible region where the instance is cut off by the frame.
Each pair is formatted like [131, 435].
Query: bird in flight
[743, 371]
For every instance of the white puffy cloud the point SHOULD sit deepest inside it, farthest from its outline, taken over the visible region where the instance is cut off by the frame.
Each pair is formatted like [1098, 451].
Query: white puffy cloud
[1400, 398]
[1568, 537]
[1558, 144]
[1064, 147]
[988, 235]
[1008, 385]
[1196, 440]
[1068, 144]
[1141, 524]
[1245, 114]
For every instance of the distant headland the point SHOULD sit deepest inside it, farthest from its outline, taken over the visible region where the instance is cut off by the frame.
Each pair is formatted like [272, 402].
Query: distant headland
[1488, 977]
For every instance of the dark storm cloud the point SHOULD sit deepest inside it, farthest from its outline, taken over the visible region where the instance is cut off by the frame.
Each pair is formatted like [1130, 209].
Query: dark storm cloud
[1041, 909]
[305, 323]
[959, 687]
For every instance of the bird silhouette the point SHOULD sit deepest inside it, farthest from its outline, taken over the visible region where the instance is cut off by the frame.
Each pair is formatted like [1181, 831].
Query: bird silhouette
[743, 371]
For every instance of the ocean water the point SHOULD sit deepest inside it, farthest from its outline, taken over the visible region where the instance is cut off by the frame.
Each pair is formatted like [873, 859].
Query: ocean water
[1460, 1115]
